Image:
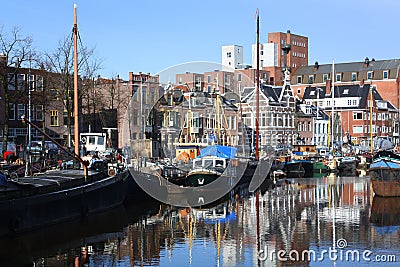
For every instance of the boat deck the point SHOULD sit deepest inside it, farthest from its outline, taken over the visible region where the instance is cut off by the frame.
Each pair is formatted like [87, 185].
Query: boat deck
[46, 182]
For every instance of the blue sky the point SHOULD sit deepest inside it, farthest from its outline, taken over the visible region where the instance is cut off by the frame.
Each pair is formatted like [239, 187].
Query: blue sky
[150, 36]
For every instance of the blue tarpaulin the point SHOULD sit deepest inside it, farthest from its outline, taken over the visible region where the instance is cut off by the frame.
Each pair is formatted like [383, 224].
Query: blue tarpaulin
[226, 152]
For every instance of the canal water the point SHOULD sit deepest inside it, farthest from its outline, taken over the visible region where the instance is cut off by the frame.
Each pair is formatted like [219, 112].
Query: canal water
[325, 221]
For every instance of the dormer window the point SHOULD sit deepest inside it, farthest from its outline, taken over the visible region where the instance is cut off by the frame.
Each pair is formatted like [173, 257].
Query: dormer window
[311, 79]
[338, 77]
[385, 74]
[346, 91]
[354, 76]
[298, 79]
[370, 75]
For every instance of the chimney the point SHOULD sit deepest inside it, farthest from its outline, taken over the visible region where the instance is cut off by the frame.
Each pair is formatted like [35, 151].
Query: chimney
[328, 87]
[366, 62]
[316, 66]
[3, 59]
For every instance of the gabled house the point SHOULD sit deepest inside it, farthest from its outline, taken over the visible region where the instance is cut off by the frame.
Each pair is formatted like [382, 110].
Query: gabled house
[277, 107]
[352, 108]
[312, 126]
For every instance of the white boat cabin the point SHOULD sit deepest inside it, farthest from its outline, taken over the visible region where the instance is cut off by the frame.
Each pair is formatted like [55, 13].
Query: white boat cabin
[94, 141]
[209, 161]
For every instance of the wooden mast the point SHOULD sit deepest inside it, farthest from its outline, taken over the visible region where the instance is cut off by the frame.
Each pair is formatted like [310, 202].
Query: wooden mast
[76, 119]
[257, 85]
[76, 110]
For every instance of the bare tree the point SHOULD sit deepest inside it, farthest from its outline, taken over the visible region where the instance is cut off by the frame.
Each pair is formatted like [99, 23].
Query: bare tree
[60, 62]
[18, 51]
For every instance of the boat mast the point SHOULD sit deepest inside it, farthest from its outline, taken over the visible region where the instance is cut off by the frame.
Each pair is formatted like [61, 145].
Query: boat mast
[257, 84]
[333, 101]
[76, 120]
[370, 118]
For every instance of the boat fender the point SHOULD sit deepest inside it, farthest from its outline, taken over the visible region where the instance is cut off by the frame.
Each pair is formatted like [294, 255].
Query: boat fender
[111, 172]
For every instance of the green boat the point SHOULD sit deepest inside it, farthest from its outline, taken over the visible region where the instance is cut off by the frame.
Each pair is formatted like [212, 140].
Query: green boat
[320, 167]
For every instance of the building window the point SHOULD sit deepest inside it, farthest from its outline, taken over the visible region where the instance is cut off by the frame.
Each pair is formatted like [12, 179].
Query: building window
[357, 129]
[369, 75]
[11, 81]
[31, 82]
[11, 109]
[311, 79]
[298, 79]
[354, 76]
[325, 77]
[228, 54]
[349, 102]
[239, 77]
[338, 77]
[385, 74]
[354, 102]
[346, 91]
[357, 115]
[21, 81]
[39, 83]
[54, 118]
[298, 90]
[20, 111]
[208, 78]
[39, 113]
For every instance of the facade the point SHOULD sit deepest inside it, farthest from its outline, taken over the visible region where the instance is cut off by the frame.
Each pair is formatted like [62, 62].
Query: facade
[355, 78]
[140, 130]
[232, 56]
[277, 114]
[352, 109]
[273, 58]
[193, 80]
[384, 74]
[49, 104]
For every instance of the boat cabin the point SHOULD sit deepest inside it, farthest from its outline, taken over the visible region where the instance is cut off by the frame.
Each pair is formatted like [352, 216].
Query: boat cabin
[94, 141]
[209, 161]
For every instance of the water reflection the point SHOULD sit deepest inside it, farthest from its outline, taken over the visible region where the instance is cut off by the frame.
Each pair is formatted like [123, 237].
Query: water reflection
[304, 216]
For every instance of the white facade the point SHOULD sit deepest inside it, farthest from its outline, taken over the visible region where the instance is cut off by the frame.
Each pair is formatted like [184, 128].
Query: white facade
[268, 55]
[232, 56]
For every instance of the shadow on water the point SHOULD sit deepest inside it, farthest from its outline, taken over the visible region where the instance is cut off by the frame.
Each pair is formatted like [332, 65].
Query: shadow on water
[25, 248]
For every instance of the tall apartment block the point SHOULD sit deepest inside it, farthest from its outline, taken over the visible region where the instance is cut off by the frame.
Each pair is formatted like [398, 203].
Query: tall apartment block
[272, 57]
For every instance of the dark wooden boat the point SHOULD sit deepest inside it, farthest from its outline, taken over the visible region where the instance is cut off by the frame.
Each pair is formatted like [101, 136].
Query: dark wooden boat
[384, 172]
[348, 166]
[56, 196]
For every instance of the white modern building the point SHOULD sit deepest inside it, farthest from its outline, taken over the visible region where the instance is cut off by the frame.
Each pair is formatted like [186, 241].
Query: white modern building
[268, 55]
[232, 56]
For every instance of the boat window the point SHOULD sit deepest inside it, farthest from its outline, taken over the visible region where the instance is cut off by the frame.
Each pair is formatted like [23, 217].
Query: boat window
[100, 140]
[92, 140]
[219, 163]
[197, 163]
[208, 163]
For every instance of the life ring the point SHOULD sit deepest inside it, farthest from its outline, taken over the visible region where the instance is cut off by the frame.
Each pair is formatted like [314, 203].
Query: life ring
[111, 172]
[83, 139]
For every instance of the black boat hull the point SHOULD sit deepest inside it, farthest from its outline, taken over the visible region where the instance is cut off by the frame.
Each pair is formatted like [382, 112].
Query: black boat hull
[37, 210]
